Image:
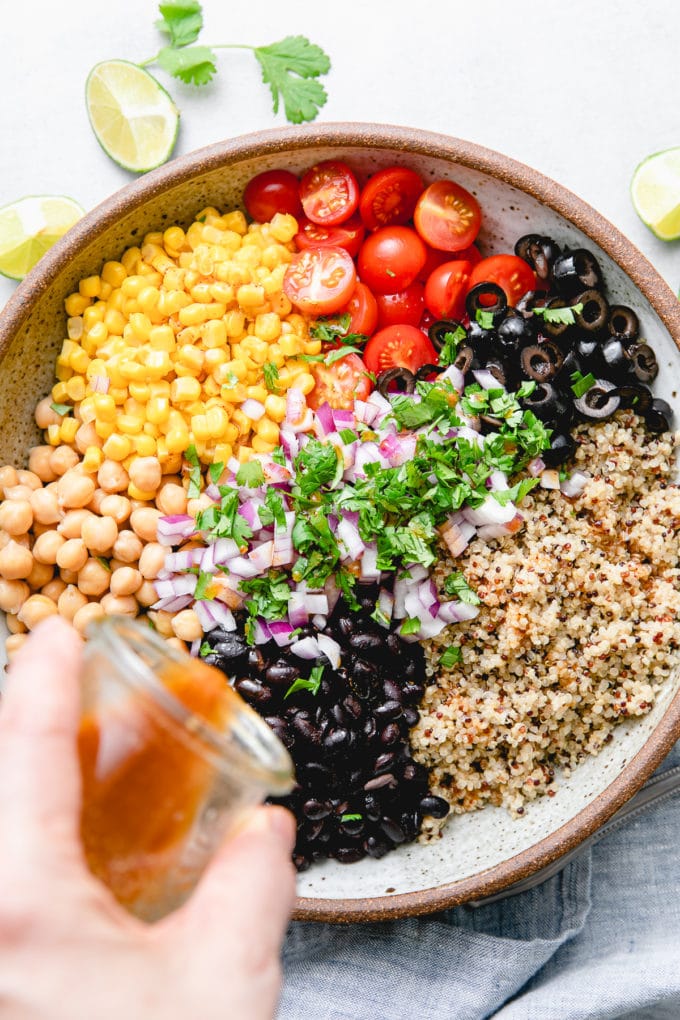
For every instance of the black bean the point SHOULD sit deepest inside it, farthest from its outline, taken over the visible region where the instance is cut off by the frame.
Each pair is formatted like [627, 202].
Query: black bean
[349, 855]
[387, 711]
[352, 827]
[315, 809]
[376, 847]
[436, 807]
[390, 734]
[256, 660]
[386, 780]
[372, 807]
[301, 862]
[392, 829]
[305, 728]
[393, 691]
[412, 692]
[254, 691]
[281, 672]
[366, 642]
[411, 716]
[337, 739]
[369, 728]
[384, 762]
[353, 706]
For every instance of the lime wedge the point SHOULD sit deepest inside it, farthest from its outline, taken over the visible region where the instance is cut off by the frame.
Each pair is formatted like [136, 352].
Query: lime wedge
[133, 117]
[655, 192]
[31, 225]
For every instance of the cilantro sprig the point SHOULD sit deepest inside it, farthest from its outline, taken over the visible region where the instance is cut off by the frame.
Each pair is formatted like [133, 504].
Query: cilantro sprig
[560, 316]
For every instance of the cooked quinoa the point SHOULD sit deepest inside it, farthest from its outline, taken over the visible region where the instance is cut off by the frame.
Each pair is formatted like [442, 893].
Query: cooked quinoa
[578, 630]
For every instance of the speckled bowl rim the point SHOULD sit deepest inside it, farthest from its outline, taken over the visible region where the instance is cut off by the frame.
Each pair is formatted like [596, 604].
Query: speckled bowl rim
[402, 139]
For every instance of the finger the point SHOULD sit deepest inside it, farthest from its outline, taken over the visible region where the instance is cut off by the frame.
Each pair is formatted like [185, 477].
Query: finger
[250, 882]
[39, 772]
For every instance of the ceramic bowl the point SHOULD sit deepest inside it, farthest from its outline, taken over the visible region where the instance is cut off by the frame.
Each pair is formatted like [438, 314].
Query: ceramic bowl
[483, 852]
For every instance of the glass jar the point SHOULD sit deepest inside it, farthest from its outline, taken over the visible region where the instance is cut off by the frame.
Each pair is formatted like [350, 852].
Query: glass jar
[171, 757]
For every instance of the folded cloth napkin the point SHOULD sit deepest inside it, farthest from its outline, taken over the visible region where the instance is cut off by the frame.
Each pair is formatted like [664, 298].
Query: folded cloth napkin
[600, 939]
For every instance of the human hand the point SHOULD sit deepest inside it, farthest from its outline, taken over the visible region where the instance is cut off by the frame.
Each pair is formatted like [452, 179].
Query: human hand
[68, 951]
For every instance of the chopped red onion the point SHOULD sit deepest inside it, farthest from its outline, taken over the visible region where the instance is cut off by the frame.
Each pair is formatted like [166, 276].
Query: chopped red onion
[223, 615]
[368, 564]
[180, 584]
[486, 379]
[290, 444]
[316, 602]
[173, 603]
[430, 628]
[242, 567]
[296, 405]
[457, 534]
[185, 559]
[453, 375]
[497, 481]
[100, 383]
[343, 418]
[174, 527]
[365, 412]
[249, 511]
[253, 409]
[398, 449]
[206, 618]
[330, 648]
[349, 538]
[195, 647]
[385, 605]
[261, 632]
[535, 466]
[262, 556]
[457, 612]
[323, 420]
[490, 512]
[306, 648]
[297, 609]
[281, 631]
[550, 479]
[319, 621]
[222, 550]
[574, 485]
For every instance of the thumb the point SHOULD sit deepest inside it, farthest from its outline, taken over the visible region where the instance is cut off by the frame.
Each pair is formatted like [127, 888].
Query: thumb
[250, 884]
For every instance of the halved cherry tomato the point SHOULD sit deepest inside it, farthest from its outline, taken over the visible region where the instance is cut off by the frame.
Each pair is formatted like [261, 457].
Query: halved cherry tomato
[329, 192]
[436, 257]
[319, 281]
[447, 216]
[347, 235]
[389, 197]
[363, 311]
[339, 384]
[399, 346]
[510, 272]
[390, 259]
[404, 307]
[270, 192]
[446, 288]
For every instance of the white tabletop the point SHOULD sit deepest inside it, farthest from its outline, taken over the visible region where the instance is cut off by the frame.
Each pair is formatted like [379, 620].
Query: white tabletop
[581, 91]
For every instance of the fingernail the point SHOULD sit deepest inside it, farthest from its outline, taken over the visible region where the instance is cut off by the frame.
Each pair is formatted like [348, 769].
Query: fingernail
[275, 821]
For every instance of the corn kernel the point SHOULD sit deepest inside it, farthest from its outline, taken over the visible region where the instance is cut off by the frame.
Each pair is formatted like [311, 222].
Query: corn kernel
[139, 391]
[267, 430]
[174, 240]
[117, 447]
[199, 427]
[119, 394]
[275, 407]
[105, 407]
[312, 347]
[158, 410]
[241, 421]
[218, 420]
[79, 361]
[68, 429]
[75, 388]
[135, 493]
[261, 445]
[75, 304]
[191, 357]
[305, 382]
[114, 321]
[245, 453]
[90, 286]
[113, 273]
[215, 356]
[59, 394]
[156, 365]
[162, 338]
[104, 429]
[86, 410]
[290, 345]
[176, 441]
[129, 424]
[249, 295]
[143, 445]
[93, 458]
[54, 435]
[184, 389]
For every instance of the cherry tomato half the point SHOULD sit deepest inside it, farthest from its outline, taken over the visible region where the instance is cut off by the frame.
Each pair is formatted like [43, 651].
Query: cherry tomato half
[363, 311]
[390, 259]
[389, 197]
[319, 281]
[339, 384]
[399, 347]
[447, 216]
[510, 272]
[270, 192]
[347, 235]
[329, 192]
[404, 307]
[447, 287]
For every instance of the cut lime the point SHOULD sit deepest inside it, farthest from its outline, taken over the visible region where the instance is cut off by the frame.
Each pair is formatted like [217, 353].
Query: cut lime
[31, 225]
[655, 192]
[133, 117]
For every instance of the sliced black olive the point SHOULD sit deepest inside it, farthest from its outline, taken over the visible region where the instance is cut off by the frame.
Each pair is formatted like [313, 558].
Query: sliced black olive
[549, 404]
[541, 361]
[594, 314]
[526, 304]
[659, 417]
[643, 360]
[477, 334]
[623, 323]
[599, 402]
[539, 252]
[437, 331]
[562, 447]
[576, 271]
[553, 329]
[614, 356]
[635, 396]
[474, 303]
[427, 370]
[399, 378]
[515, 330]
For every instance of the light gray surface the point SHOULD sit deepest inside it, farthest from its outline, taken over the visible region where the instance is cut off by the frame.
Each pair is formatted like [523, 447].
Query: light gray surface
[580, 91]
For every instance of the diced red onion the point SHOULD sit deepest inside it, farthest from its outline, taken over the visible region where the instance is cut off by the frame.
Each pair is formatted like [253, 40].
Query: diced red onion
[206, 618]
[319, 621]
[195, 647]
[385, 604]
[535, 466]
[490, 512]
[457, 534]
[222, 550]
[376, 399]
[306, 648]
[173, 603]
[457, 612]
[261, 632]
[297, 609]
[574, 485]
[249, 511]
[242, 567]
[349, 538]
[486, 379]
[283, 541]
[398, 449]
[330, 648]
[497, 481]
[364, 412]
[184, 559]
[100, 383]
[343, 418]
[316, 602]
[253, 409]
[430, 628]
[332, 593]
[281, 631]
[550, 479]
[223, 615]
[368, 564]
[180, 584]
[290, 444]
[262, 556]
[323, 420]
[416, 572]
[173, 528]
[453, 375]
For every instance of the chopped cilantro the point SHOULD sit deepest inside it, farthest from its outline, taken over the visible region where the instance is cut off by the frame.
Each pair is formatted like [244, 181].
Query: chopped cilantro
[202, 586]
[271, 375]
[410, 626]
[61, 408]
[215, 471]
[452, 342]
[560, 316]
[195, 472]
[450, 657]
[580, 384]
[104, 562]
[205, 649]
[269, 595]
[455, 584]
[351, 818]
[250, 474]
[312, 684]
[484, 318]
[316, 465]
[338, 353]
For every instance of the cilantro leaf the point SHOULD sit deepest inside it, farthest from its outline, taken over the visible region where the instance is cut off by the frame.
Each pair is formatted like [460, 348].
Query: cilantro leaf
[290, 68]
[338, 353]
[312, 684]
[328, 329]
[561, 316]
[351, 818]
[451, 657]
[61, 408]
[452, 341]
[194, 65]
[484, 318]
[215, 471]
[411, 625]
[182, 20]
[455, 584]
[580, 384]
[194, 474]
[316, 465]
[205, 649]
[202, 585]
[269, 595]
[250, 474]
[271, 375]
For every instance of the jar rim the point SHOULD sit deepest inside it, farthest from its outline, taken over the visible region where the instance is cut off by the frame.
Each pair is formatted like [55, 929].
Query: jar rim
[254, 747]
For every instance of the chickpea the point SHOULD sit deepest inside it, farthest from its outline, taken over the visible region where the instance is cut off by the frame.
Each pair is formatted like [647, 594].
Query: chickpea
[30, 479]
[162, 621]
[171, 499]
[144, 521]
[186, 625]
[35, 609]
[63, 458]
[177, 644]
[45, 414]
[113, 477]
[46, 546]
[12, 645]
[202, 502]
[125, 581]
[8, 476]
[53, 589]
[70, 601]
[14, 624]
[86, 614]
[18, 492]
[13, 594]
[87, 436]
[128, 548]
[40, 575]
[125, 605]
[16, 516]
[152, 559]
[15, 561]
[4, 539]
[99, 533]
[72, 555]
[95, 503]
[39, 463]
[93, 578]
[44, 506]
[74, 489]
[145, 473]
[69, 576]
[146, 594]
[115, 506]
[72, 524]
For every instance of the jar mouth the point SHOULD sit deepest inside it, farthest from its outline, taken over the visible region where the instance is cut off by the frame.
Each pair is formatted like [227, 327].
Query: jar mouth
[249, 744]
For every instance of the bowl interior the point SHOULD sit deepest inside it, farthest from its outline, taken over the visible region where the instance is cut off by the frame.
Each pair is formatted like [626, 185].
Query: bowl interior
[486, 850]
